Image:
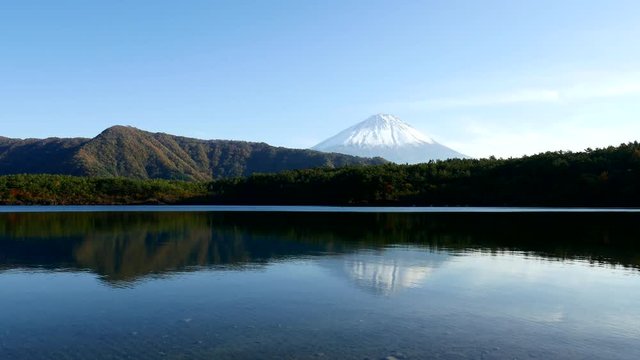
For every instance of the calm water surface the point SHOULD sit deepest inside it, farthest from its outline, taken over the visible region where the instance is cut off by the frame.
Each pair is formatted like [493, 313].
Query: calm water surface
[305, 285]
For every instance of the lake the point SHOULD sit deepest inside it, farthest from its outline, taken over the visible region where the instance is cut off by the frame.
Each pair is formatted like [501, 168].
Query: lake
[314, 283]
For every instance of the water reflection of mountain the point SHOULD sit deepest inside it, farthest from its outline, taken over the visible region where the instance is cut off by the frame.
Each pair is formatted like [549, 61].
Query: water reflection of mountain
[128, 246]
[387, 271]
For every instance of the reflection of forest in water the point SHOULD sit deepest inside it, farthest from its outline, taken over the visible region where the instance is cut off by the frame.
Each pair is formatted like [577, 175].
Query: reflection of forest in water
[127, 246]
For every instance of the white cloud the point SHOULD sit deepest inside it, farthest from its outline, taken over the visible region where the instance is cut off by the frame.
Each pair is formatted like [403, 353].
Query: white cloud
[506, 98]
[590, 89]
[586, 92]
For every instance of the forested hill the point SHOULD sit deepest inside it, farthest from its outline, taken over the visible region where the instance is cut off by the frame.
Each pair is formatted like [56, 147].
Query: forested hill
[122, 151]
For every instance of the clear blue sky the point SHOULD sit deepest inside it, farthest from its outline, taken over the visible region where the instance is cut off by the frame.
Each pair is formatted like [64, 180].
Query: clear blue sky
[485, 77]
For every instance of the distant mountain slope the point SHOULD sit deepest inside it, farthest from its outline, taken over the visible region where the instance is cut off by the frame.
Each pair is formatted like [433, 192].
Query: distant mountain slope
[50, 156]
[130, 152]
[389, 137]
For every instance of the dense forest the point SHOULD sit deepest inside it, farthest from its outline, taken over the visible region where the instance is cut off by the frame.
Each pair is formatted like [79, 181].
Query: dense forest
[602, 177]
[77, 190]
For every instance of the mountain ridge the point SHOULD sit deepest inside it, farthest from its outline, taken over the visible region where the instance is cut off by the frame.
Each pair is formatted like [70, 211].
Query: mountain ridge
[126, 151]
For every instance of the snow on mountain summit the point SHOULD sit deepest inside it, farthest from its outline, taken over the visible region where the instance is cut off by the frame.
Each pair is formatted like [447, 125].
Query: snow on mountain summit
[378, 130]
[389, 137]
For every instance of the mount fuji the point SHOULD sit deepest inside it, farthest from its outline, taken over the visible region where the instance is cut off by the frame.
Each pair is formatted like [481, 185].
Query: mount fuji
[388, 137]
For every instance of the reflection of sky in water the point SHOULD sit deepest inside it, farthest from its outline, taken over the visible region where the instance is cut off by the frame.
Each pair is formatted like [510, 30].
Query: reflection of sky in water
[472, 305]
[583, 297]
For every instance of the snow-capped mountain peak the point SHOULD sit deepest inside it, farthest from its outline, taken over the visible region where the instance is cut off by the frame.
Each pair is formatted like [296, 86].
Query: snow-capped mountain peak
[389, 137]
[378, 130]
